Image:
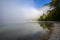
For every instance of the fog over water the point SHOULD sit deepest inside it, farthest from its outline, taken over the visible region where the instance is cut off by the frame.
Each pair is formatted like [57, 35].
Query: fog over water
[16, 16]
[14, 11]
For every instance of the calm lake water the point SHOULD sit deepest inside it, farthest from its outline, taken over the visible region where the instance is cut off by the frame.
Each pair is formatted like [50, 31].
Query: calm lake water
[22, 31]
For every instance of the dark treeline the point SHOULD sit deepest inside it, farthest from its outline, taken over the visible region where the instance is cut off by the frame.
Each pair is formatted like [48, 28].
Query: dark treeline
[54, 14]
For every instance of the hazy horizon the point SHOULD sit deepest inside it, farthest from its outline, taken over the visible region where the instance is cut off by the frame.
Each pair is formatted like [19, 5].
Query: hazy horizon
[20, 10]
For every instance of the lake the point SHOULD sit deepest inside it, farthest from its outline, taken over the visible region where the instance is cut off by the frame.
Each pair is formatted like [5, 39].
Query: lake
[22, 31]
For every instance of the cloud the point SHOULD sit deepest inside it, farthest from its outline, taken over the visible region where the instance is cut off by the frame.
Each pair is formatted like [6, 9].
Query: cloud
[17, 11]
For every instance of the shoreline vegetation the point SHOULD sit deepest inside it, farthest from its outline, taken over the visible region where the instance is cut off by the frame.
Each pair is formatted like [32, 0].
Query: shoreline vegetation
[52, 15]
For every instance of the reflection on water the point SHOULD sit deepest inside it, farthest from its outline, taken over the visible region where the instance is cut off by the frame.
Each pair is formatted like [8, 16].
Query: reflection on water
[49, 26]
[25, 31]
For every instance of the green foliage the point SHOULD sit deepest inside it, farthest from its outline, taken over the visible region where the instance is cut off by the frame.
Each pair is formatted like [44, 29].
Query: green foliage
[52, 15]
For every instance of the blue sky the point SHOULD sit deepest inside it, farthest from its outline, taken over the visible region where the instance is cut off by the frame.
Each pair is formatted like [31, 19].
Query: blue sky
[39, 3]
[36, 3]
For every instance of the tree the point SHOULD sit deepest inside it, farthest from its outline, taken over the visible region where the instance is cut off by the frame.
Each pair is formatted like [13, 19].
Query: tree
[52, 15]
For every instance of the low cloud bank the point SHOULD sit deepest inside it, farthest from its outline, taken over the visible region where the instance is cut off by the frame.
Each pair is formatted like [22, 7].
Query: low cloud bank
[17, 12]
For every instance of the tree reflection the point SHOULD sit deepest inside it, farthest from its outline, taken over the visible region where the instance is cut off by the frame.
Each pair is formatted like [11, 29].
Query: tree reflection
[49, 26]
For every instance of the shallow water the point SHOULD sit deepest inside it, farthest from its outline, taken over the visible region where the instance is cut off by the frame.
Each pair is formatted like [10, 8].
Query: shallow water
[22, 31]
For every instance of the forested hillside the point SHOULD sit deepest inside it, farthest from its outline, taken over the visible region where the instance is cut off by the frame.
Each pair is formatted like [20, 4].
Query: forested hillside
[52, 15]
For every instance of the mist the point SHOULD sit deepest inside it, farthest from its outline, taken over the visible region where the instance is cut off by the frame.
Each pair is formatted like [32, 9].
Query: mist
[15, 11]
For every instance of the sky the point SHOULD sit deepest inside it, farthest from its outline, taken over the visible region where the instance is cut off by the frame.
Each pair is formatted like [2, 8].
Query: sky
[39, 3]
[19, 10]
